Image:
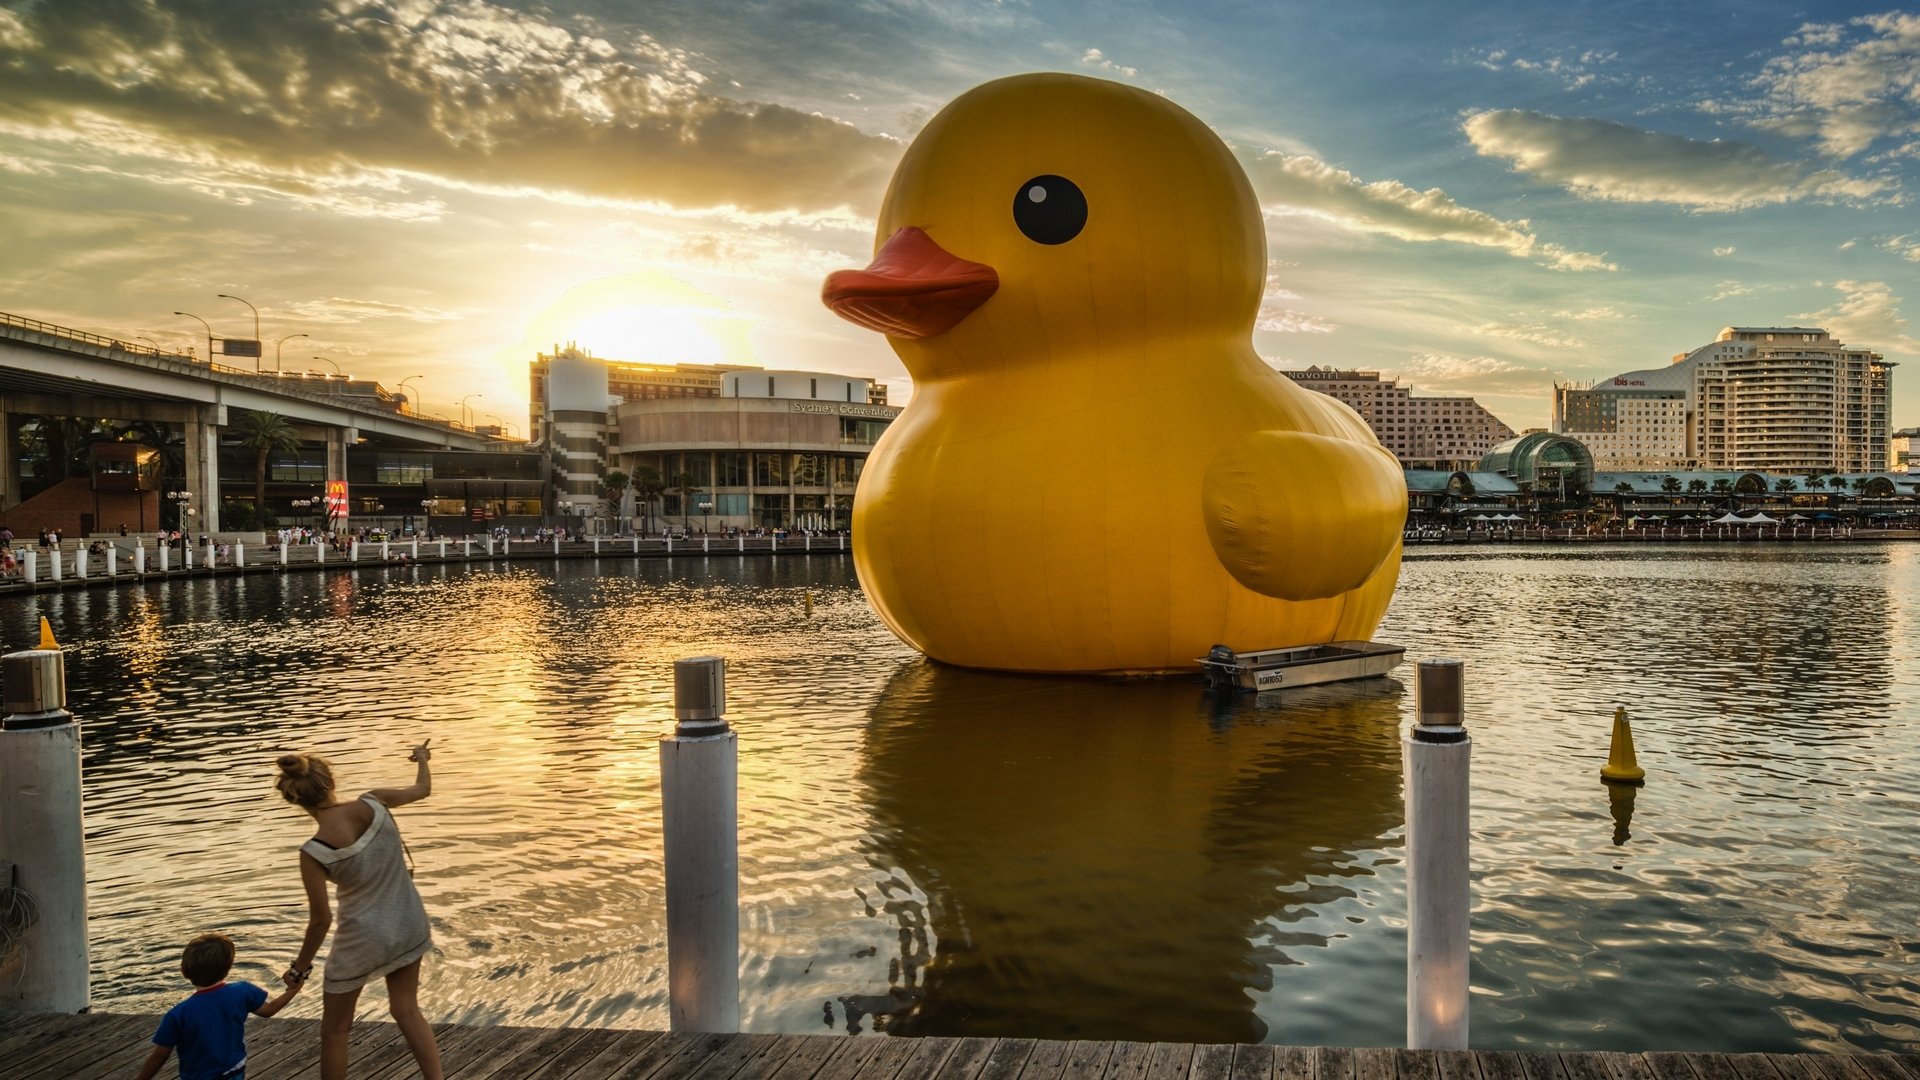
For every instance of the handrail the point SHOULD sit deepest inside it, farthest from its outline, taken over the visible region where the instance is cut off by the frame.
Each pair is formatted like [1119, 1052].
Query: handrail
[82, 337]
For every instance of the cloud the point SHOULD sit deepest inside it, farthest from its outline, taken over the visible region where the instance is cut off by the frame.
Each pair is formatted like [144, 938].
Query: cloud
[1907, 247]
[1473, 374]
[1304, 184]
[1848, 86]
[1727, 290]
[1532, 333]
[1728, 250]
[1573, 67]
[1604, 160]
[383, 93]
[1592, 314]
[1096, 59]
[1867, 316]
[1288, 321]
[351, 310]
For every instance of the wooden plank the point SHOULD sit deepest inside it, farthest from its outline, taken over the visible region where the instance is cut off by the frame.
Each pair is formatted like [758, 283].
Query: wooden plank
[299, 1058]
[1049, 1056]
[929, 1054]
[1372, 1063]
[1006, 1059]
[966, 1060]
[1415, 1065]
[727, 1060]
[1456, 1064]
[1584, 1066]
[886, 1060]
[1540, 1065]
[847, 1057]
[694, 1054]
[1333, 1063]
[54, 1031]
[122, 1038]
[1878, 1066]
[662, 1054]
[568, 1060]
[1835, 1067]
[510, 1042]
[775, 1056]
[1627, 1066]
[1170, 1061]
[1500, 1065]
[396, 1058]
[1086, 1060]
[1909, 1062]
[1213, 1061]
[1756, 1067]
[1794, 1066]
[1252, 1062]
[1128, 1061]
[1667, 1065]
[626, 1046]
[1293, 1063]
[1715, 1067]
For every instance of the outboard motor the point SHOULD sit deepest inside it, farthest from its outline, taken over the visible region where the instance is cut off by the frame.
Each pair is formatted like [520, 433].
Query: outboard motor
[1220, 668]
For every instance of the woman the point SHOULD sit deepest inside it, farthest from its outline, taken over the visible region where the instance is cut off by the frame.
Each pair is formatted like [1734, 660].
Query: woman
[383, 924]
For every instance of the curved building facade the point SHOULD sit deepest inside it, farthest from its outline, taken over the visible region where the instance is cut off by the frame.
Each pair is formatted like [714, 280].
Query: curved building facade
[1544, 463]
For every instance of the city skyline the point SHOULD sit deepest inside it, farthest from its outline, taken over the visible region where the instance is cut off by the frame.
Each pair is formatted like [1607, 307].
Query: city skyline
[1479, 204]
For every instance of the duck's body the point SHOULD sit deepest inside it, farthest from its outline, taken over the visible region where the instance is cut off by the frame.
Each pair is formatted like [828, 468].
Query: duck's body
[1096, 473]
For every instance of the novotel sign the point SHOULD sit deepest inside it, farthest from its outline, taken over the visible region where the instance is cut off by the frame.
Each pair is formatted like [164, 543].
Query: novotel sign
[831, 409]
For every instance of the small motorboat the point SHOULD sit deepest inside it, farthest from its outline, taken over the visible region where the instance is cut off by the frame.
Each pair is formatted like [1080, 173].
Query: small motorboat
[1303, 665]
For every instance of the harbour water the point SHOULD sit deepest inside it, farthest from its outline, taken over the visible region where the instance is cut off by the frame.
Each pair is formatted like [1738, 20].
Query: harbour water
[934, 851]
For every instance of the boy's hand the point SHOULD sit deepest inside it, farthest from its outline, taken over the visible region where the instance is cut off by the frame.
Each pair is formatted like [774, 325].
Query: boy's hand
[294, 980]
[421, 753]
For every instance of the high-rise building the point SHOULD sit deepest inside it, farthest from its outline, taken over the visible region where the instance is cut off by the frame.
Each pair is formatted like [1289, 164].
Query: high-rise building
[1442, 430]
[1900, 451]
[1782, 398]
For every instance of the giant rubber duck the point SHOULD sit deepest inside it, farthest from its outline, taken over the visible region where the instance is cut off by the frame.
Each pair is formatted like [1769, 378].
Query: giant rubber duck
[1096, 473]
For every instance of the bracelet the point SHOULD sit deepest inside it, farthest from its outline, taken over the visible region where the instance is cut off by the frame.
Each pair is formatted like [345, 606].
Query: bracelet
[298, 975]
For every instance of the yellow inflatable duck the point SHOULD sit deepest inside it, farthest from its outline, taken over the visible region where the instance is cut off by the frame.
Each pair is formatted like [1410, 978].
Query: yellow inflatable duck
[1096, 473]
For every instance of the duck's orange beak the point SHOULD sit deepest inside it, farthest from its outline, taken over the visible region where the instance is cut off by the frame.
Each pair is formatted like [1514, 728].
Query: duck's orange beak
[914, 288]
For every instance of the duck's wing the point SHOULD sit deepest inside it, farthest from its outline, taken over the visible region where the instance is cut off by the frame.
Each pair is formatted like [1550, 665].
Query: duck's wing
[1300, 516]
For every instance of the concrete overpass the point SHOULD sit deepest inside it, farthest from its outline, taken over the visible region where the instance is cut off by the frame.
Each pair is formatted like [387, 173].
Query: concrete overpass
[49, 370]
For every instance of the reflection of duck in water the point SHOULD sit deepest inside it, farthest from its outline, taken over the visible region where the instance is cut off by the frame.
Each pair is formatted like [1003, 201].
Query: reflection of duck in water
[1098, 858]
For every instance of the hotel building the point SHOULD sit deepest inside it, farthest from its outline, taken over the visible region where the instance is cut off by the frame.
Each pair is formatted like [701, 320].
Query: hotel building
[1444, 430]
[1785, 398]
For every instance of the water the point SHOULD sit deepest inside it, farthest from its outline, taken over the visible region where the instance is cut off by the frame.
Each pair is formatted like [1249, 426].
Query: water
[933, 851]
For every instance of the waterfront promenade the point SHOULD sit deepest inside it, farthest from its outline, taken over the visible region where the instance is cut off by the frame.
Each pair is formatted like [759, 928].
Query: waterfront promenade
[42, 1047]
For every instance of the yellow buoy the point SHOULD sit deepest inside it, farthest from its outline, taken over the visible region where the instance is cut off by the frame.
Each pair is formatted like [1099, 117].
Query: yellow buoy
[809, 601]
[46, 635]
[1622, 766]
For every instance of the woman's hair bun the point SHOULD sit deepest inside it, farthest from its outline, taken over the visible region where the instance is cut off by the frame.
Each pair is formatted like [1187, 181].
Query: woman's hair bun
[294, 765]
[305, 779]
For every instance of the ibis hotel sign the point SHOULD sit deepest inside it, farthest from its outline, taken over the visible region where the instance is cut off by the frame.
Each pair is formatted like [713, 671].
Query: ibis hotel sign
[829, 408]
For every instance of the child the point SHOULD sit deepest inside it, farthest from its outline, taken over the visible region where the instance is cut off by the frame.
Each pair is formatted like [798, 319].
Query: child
[209, 1028]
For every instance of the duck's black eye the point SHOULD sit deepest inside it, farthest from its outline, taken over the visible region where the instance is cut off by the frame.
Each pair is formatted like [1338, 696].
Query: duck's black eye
[1050, 209]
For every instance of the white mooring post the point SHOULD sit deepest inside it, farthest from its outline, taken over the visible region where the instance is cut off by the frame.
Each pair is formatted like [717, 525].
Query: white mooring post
[699, 806]
[466, 547]
[140, 559]
[353, 551]
[443, 549]
[283, 553]
[42, 839]
[636, 543]
[415, 556]
[596, 547]
[773, 544]
[506, 546]
[556, 544]
[742, 541]
[80, 563]
[113, 562]
[320, 553]
[1437, 754]
[843, 541]
[32, 565]
[669, 543]
[213, 555]
[56, 564]
[706, 544]
[383, 551]
[166, 556]
[239, 553]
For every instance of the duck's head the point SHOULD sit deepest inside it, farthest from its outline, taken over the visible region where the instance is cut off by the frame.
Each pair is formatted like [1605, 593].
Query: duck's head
[1046, 215]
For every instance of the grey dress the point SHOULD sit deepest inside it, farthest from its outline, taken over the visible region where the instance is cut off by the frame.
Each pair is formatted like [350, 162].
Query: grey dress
[381, 924]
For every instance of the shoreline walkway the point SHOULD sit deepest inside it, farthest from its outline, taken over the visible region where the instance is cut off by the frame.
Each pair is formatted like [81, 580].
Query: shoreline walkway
[38, 1046]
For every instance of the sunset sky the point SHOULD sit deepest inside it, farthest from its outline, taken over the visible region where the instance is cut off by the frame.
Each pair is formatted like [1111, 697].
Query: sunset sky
[1478, 199]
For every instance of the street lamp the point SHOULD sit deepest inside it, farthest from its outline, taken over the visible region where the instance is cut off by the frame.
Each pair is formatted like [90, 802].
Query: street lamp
[403, 386]
[256, 328]
[276, 349]
[706, 507]
[466, 414]
[336, 367]
[209, 327]
[180, 510]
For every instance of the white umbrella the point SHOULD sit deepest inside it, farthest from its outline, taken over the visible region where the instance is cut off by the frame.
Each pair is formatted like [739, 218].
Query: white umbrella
[1762, 519]
[1729, 519]
[1479, 517]
[1796, 517]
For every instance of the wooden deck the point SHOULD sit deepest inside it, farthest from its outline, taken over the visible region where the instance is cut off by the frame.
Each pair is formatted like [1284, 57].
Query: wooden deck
[44, 1047]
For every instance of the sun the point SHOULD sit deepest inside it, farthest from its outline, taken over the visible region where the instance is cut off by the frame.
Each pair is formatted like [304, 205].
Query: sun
[646, 317]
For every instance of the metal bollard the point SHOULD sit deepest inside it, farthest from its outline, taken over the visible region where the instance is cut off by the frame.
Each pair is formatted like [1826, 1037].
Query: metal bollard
[699, 805]
[1437, 754]
[42, 837]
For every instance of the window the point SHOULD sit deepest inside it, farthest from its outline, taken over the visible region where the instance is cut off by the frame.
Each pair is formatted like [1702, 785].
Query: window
[769, 386]
[813, 388]
[730, 470]
[730, 505]
[769, 470]
[809, 470]
[700, 467]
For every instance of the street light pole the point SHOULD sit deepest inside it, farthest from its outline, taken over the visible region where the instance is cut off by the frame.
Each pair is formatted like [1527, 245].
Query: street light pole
[209, 327]
[276, 349]
[403, 386]
[256, 328]
[336, 367]
[466, 414]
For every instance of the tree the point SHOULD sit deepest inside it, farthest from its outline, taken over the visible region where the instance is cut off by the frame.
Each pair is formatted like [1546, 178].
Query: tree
[1785, 484]
[647, 488]
[1816, 482]
[265, 434]
[1696, 487]
[1723, 486]
[1671, 485]
[683, 486]
[1620, 492]
[616, 485]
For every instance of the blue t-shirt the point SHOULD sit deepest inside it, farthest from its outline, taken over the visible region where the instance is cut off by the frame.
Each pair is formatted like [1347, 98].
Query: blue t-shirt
[209, 1029]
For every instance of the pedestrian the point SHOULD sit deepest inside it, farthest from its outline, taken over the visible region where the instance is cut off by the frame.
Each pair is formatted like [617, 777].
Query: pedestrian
[383, 924]
[209, 1029]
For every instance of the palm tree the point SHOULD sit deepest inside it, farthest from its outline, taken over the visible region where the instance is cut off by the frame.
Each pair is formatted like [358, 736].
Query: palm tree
[1696, 488]
[647, 487]
[616, 485]
[265, 434]
[684, 487]
[1671, 485]
[1785, 484]
[1620, 492]
[1816, 482]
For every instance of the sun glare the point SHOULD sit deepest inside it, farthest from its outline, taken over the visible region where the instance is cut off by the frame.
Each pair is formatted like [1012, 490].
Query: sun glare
[648, 317]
